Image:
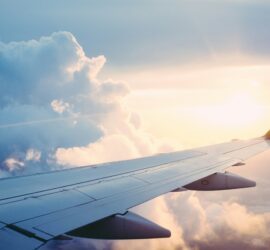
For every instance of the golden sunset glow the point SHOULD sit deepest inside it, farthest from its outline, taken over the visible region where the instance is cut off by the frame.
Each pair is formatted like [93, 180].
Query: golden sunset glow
[216, 104]
[238, 110]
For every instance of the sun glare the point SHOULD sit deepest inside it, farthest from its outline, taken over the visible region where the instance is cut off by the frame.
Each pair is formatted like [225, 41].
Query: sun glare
[238, 110]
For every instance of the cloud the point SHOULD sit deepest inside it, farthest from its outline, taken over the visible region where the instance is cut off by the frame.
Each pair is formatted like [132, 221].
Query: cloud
[53, 108]
[99, 151]
[82, 244]
[59, 106]
[219, 225]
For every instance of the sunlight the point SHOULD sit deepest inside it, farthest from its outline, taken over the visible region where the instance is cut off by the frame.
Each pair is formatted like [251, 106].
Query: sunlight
[215, 103]
[240, 109]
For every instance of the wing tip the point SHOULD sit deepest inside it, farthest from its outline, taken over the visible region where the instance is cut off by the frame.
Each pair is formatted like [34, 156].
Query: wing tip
[267, 135]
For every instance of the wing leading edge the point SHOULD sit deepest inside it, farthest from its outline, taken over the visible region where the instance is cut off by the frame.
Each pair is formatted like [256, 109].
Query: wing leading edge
[93, 201]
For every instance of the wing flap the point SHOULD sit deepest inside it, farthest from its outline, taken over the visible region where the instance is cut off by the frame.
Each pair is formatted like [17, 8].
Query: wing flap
[40, 205]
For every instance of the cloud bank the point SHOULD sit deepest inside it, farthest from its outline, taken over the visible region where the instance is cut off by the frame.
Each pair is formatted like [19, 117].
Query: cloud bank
[54, 111]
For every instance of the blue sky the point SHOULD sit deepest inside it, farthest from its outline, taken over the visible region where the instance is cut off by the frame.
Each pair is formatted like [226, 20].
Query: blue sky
[145, 32]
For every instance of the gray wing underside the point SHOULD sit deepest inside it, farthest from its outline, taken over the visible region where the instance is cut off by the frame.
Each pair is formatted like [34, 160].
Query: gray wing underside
[37, 208]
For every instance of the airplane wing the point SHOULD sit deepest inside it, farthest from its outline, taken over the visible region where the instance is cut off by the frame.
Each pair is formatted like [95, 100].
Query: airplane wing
[94, 201]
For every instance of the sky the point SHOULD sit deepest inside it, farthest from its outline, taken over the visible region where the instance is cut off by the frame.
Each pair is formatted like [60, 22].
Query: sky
[83, 82]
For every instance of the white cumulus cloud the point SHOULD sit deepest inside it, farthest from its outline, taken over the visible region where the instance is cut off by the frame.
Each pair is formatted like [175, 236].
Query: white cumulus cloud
[54, 111]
